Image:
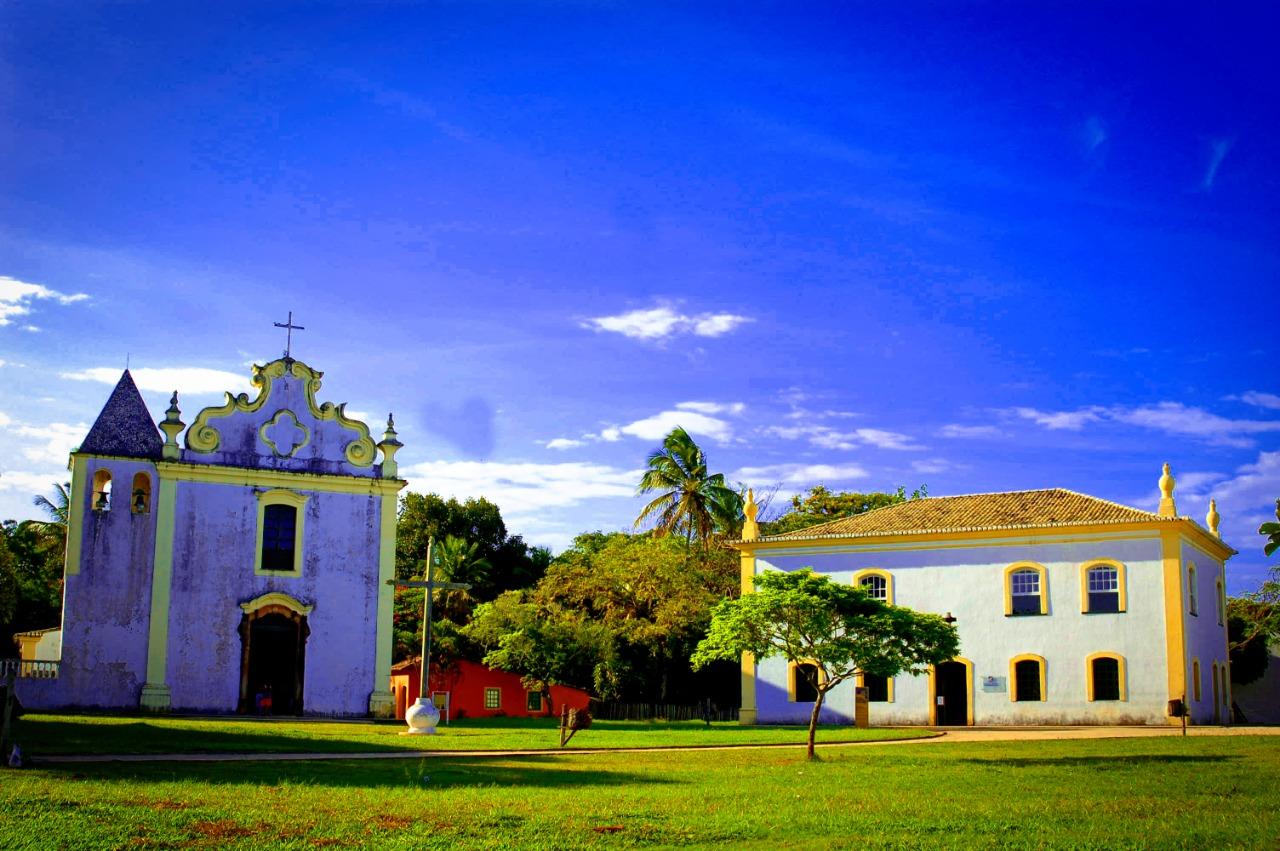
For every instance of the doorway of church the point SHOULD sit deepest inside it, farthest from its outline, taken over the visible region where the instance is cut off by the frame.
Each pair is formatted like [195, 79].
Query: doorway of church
[951, 694]
[272, 663]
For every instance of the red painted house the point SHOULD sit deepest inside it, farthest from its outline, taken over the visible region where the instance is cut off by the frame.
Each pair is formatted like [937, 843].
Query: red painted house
[475, 691]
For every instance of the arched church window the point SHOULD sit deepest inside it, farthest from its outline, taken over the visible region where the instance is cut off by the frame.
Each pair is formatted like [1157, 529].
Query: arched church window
[102, 491]
[877, 583]
[140, 500]
[280, 533]
[1027, 678]
[1105, 673]
[1102, 588]
[1193, 595]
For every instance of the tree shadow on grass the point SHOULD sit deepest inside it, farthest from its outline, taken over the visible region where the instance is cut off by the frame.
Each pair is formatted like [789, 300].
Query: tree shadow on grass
[1119, 761]
[530, 771]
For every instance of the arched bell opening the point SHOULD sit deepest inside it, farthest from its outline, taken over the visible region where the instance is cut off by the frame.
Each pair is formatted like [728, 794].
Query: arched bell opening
[273, 641]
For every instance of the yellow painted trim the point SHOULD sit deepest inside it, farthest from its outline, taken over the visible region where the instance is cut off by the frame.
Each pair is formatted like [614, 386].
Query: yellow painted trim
[860, 682]
[1121, 673]
[791, 678]
[1174, 617]
[203, 436]
[75, 522]
[266, 479]
[875, 571]
[1193, 590]
[381, 701]
[262, 433]
[1008, 585]
[155, 693]
[276, 598]
[1013, 678]
[933, 691]
[280, 496]
[1122, 580]
[1195, 677]
[747, 714]
[1075, 533]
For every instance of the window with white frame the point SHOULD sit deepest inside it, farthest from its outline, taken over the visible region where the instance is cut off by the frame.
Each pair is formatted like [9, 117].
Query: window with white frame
[1103, 587]
[877, 586]
[493, 698]
[1024, 590]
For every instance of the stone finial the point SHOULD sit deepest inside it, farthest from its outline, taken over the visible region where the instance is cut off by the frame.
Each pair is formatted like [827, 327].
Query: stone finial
[1167, 481]
[1213, 518]
[750, 529]
[172, 425]
[390, 446]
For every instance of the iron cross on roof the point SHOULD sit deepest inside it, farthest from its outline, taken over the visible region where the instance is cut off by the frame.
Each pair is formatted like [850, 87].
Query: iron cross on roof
[288, 339]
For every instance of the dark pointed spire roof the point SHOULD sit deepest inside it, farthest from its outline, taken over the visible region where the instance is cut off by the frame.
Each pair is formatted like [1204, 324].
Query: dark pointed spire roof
[124, 428]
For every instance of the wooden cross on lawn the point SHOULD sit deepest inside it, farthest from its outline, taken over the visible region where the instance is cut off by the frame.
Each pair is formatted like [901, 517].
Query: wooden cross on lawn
[288, 339]
[430, 585]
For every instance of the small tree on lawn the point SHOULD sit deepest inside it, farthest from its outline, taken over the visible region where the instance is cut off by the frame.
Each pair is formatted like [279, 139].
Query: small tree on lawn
[838, 629]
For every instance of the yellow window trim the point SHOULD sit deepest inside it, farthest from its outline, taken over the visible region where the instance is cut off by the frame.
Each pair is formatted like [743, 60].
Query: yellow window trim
[875, 571]
[1013, 675]
[1121, 673]
[275, 598]
[1008, 585]
[1195, 677]
[280, 496]
[791, 677]
[933, 691]
[860, 682]
[1121, 580]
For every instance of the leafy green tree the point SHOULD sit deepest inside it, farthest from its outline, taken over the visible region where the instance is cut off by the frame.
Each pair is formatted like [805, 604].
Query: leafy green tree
[1253, 619]
[838, 629]
[1249, 656]
[1271, 531]
[58, 509]
[691, 501]
[544, 646]
[30, 578]
[821, 505]
[654, 598]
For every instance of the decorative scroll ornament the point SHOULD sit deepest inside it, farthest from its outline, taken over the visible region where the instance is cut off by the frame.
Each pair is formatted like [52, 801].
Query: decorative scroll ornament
[203, 435]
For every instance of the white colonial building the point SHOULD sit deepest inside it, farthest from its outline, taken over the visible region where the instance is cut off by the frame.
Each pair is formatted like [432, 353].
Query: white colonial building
[1070, 610]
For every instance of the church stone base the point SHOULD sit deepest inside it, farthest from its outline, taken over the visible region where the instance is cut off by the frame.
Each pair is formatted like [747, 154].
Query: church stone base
[382, 704]
[155, 698]
[746, 717]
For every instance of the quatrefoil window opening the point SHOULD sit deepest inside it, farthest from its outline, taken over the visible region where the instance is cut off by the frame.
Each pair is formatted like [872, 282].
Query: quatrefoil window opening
[284, 435]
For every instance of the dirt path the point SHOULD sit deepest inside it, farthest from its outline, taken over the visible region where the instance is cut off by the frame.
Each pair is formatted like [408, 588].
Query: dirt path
[944, 736]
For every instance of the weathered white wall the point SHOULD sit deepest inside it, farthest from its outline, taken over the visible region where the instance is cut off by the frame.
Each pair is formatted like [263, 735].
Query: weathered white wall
[1206, 635]
[968, 581]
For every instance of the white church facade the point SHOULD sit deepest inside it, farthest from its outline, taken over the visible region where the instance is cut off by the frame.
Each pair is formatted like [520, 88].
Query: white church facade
[1070, 610]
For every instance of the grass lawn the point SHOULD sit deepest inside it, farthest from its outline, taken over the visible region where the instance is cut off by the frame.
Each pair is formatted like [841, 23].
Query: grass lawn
[1210, 792]
[99, 734]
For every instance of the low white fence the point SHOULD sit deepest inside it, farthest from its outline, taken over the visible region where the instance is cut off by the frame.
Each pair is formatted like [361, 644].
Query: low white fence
[28, 669]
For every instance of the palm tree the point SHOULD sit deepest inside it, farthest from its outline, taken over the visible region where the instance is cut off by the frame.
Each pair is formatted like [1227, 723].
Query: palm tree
[53, 530]
[458, 560]
[1272, 533]
[690, 500]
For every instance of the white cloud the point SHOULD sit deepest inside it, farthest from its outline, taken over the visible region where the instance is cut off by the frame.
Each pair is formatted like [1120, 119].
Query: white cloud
[1252, 397]
[16, 298]
[1169, 417]
[1061, 420]
[1218, 149]
[825, 437]
[932, 465]
[2, 361]
[611, 434]
[194, 380]
[799, 474]
[522, 487]
[658, 323]
[965, 432]
[32, 483]
[53, 441]
[563, 443]
[659, 425]
[4, 419]
[712, 407]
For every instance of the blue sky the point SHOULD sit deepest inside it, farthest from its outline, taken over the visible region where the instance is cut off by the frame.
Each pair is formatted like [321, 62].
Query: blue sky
[975, 246]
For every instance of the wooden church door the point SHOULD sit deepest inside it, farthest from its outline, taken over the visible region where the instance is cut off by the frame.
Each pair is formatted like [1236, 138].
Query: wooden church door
[272, 661]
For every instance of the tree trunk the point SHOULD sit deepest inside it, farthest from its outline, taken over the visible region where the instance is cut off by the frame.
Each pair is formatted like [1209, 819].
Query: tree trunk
[813, 720]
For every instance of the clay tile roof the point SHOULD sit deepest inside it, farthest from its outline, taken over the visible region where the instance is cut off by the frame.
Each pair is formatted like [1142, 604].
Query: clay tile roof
[977, 512]
[124, 428]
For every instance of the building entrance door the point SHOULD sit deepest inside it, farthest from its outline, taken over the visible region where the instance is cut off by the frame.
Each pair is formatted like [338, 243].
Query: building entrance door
[951, 693]
[272, 662]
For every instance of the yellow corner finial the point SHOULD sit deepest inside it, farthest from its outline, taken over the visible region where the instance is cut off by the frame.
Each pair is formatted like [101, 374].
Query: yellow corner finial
[1167, 482]
[750, 529]
[390, 445]
[172, 425]
[1213, 518]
